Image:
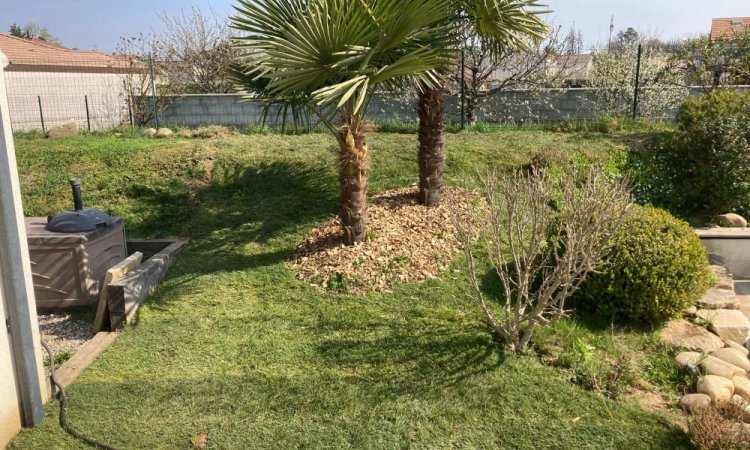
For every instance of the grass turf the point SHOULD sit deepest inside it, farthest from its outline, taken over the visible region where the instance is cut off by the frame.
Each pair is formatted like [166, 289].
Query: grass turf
[233, 346]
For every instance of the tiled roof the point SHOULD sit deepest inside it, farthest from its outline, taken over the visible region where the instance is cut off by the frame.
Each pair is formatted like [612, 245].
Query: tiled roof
[37, 52]
[726, 27]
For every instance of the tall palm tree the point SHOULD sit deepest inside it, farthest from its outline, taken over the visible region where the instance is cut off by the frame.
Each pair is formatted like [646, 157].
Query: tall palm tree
[501, 24]
[329, 56]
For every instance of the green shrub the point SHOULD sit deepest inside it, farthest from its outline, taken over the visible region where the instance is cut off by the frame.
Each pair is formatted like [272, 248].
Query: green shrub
[711, 165]
[704, 169]
[715, 105]
[657, 269]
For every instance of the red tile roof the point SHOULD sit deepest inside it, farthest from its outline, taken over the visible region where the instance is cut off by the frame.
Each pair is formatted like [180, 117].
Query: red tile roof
[37, 52]
[726, 27]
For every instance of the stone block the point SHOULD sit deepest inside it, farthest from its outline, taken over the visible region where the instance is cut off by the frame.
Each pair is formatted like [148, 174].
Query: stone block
[682, 333]
[728, 324]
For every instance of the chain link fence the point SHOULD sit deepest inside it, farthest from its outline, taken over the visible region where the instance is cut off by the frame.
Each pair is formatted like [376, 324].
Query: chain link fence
[50, 90]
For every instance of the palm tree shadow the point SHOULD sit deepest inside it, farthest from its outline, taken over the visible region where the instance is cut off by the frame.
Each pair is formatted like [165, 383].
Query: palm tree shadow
[256, 204]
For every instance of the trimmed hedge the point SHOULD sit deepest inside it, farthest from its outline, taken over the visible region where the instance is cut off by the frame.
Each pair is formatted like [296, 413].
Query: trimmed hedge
[657, 269]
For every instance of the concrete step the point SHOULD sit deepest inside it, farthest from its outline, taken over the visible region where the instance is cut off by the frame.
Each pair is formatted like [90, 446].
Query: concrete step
[742, 288]
[717, 298]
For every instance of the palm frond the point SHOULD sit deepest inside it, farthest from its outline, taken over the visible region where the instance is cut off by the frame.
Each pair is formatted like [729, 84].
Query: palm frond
[334, 53]
[507, 24]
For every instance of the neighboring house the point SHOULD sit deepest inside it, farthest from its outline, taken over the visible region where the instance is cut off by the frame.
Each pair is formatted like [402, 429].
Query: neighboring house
[567, 70]
[729, 26]
[53, 83]
[575, 70]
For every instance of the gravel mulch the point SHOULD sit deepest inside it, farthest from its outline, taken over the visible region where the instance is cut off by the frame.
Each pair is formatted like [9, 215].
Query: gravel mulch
[407, 242]
[63, 333]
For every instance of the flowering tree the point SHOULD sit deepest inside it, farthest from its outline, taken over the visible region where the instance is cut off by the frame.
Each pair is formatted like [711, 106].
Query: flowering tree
[613, 76]
[488, 72]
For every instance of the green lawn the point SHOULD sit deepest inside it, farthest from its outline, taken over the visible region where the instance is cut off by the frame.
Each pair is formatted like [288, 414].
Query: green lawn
[233, 346]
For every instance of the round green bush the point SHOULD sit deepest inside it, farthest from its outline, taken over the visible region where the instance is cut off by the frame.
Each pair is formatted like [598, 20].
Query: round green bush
[657, 269]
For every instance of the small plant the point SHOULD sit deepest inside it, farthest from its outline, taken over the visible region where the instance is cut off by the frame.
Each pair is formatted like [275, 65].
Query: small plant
[657, 269]
[543, 234]
[60, 358]
[338, 282]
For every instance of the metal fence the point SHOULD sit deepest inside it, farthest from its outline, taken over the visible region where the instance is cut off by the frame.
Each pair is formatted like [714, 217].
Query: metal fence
[49, 91]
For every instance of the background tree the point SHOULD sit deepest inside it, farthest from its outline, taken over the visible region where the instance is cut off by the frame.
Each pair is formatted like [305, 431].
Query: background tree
[136, 79]
[488, 73]
[33, 30]
[710, 64]
[574, 42]
[499, 24]
[627, 37]
[330, 55]
[197, 50]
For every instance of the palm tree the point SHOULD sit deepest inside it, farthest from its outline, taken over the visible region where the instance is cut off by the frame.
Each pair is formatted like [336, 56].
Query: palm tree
[328, 56]
[501, 24]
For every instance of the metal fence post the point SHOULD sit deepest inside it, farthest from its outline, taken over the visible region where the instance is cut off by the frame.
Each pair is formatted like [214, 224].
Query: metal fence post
[463, 87]
[88, 117]
[130, 112]
[637, 82]
[153, 89]
[41, 114]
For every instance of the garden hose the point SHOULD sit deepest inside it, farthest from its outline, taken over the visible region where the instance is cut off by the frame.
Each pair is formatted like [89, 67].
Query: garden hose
[64, 407]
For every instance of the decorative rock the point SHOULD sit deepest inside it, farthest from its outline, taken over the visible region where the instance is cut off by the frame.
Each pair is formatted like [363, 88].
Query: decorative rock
[714, 366]
[149, 132]
[69, 129]
[685, 358]
[737, 346]
[733, 356]
[691, 311]
[742, 387]
[719, 299]
[718, 388]
[682, 333]
[731, 221]
[729, 324]
[164, 133]
[693, 402]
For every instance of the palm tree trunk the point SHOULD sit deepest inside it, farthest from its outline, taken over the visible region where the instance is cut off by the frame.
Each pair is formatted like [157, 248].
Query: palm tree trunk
[431, 146]
[353, 179]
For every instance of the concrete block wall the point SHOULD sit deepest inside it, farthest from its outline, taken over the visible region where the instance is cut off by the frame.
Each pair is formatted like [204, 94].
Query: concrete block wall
[510, 106]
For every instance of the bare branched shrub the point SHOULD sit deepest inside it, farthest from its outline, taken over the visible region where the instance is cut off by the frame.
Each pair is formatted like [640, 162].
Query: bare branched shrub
[719, 427]
[543, 233]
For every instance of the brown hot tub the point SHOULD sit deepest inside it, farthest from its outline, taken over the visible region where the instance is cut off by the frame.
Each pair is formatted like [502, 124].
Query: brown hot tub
[69, 268]
[71, 252]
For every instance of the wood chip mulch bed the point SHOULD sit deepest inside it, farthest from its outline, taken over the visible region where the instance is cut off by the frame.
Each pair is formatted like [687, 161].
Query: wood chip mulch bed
[407, 242]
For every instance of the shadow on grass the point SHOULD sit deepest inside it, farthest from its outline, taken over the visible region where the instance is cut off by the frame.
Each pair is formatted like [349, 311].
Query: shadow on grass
[249, 204]
[410, 357]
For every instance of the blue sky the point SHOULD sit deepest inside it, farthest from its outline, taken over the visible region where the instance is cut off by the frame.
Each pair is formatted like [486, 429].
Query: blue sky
[98, 24]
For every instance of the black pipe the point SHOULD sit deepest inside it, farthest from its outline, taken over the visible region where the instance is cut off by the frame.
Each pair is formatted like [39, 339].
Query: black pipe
[75, 183]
